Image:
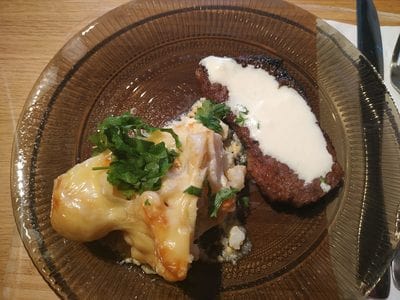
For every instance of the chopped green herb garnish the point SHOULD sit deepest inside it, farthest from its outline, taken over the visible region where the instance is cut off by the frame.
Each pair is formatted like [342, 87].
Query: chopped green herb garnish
[240, 119]
[258, 125]
[193, 190]
[245, 201]
[147, 202]
[137, 165]
[322, 179]
[220, 197]
[210, 115]
[243, 109]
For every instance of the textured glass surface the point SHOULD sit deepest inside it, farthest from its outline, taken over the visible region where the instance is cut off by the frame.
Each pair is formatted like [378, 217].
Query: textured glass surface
[142, 57]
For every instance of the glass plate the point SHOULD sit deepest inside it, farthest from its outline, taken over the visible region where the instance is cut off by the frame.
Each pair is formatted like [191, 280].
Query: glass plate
[141, 57]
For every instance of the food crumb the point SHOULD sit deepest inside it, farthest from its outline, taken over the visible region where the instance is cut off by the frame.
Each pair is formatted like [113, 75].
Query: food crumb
[236, 237]
[325, 187]
[235, 246]
[146, 268]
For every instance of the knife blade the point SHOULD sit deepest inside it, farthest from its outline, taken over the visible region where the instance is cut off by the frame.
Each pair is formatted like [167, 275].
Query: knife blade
[369, 40]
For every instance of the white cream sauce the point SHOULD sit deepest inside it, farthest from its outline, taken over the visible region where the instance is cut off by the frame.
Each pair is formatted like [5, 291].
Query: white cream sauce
[278, 117]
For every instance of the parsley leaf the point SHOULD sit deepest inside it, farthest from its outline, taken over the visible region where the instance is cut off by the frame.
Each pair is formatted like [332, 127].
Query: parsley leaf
[220, 197]
[241, 118]
[210, 114]
[193, 190]
[137, 165]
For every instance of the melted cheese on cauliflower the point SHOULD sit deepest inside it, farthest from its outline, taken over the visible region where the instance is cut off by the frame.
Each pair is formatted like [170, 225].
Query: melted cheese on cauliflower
[160, 226]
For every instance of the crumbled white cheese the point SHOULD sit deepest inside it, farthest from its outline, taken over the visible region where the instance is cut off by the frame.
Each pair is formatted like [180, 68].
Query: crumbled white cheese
[236, 151]
[147, 269]
[235, 245]
[128, 260]
[325, 187]
[231, 255]
[236, 237]
[235, 147]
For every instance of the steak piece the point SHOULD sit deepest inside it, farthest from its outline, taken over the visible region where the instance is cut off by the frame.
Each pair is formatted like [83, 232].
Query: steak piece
[275, 179]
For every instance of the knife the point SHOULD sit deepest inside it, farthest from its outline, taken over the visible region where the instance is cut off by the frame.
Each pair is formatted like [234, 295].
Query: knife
[369, 42]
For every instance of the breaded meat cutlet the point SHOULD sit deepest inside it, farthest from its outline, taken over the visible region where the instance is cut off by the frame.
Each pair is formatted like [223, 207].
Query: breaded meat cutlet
[274, 179]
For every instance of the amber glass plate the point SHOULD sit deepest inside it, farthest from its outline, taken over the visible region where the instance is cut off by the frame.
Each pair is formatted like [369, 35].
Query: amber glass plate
[141, 57]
